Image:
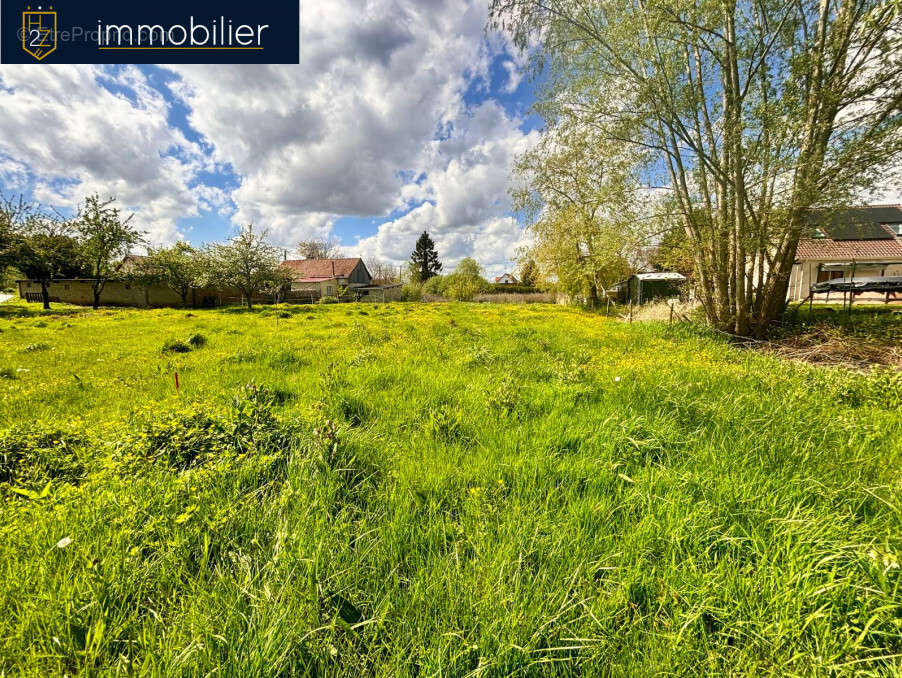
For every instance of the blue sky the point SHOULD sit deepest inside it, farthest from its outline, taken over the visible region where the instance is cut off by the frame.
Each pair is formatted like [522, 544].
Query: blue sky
[400, 118]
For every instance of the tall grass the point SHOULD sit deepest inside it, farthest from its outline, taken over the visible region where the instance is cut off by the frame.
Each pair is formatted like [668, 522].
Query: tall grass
[438, 490]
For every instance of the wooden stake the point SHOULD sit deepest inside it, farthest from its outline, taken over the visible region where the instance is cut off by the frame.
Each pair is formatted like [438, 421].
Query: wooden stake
[176, 382]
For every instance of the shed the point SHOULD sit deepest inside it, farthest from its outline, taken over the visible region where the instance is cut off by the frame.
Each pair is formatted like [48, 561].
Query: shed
[642, 287]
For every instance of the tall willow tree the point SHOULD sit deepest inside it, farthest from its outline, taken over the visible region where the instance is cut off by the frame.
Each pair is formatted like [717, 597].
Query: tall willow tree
[750, 112]
[579, 194]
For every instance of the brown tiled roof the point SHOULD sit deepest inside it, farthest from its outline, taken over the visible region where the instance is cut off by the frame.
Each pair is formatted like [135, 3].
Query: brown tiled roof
[321, 268]
[843, 250]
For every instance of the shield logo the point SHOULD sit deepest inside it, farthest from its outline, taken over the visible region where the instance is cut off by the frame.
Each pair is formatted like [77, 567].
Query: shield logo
[38, 33]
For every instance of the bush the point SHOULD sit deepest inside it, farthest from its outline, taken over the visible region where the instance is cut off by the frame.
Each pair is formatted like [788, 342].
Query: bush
[435, 285]
[328, 300]
[193, 341]
[412, 292]
[176, 346]
[462, 287]
[498, 288]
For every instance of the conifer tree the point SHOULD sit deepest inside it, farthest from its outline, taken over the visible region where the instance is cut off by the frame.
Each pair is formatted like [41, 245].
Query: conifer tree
[425, 258]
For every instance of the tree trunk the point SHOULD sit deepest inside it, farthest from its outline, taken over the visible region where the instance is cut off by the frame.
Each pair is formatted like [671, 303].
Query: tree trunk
[45, 295]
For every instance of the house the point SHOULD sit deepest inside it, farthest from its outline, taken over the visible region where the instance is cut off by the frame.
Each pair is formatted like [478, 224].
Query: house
[327, 277]
[642, 287]
[506, 279]
[852, 243]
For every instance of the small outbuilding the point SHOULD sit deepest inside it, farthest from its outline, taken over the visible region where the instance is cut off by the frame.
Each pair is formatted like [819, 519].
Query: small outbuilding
[643, 287]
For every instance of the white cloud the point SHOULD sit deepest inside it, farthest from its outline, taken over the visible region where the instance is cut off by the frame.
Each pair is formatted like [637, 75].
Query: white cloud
[76, 138]
[342, 133]
[375, 121]
[465, 185]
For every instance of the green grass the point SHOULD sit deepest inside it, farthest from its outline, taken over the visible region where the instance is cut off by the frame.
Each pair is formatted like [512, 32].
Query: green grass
[438, 490]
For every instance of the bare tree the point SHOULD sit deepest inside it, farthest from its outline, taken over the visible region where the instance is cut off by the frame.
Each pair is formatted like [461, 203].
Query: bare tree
[319, 249]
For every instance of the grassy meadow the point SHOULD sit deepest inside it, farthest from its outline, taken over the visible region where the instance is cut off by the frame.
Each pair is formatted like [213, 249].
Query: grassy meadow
[438, 490]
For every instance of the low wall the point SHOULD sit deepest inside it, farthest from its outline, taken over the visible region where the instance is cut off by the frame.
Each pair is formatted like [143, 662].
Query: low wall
[115, 293]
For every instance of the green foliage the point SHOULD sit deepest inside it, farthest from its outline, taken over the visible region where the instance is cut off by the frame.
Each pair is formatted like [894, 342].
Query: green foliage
[424, 259]
[194, 340]
[747, 117]
[466, 281]
[328, 299]
[412, 291]
[33, 455]
[249, 263]
[194, 436]
[179, 267]
[447, 489]
[104, 239]
[435, 285]
[529, 273]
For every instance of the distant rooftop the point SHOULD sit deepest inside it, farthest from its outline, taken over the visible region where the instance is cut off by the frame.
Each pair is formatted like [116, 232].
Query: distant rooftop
[856, 223]
[661, 275]
[322, 268]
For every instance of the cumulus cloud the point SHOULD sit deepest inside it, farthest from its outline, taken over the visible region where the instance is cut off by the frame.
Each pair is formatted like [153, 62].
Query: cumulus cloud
[345, 133]
[76, 137]
[379, 120]
[464, 186]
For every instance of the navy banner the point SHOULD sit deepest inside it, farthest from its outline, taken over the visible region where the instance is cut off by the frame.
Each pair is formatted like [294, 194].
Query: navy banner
[194, 31]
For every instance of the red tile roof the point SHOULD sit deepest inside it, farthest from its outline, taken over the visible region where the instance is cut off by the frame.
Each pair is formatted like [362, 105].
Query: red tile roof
[322, 268]
[825, 248]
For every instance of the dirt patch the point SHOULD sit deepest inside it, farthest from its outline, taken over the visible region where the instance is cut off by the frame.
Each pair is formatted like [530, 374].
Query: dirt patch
[825, 345]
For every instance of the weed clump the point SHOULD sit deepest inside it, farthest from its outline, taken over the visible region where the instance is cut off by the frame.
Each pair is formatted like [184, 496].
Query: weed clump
[196, 436]
[34, 348]
[176, 346]
[33, 455]
[193, 341]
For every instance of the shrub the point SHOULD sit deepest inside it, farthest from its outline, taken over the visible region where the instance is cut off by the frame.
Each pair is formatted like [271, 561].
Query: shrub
[498, 288]
[197, 340]
[176, 346]
[412, 292]
[461, 287]
[435, 285]
[328, 300]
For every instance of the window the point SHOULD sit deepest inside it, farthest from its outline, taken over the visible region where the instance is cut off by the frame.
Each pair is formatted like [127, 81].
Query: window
[329, 290]
[895, 228]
